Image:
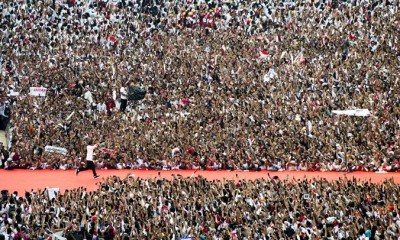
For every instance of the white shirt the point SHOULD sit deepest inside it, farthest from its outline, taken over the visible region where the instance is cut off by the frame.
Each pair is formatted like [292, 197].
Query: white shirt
[88, 96]
[90, 149]
[175, 150]
[8, 236]
[124, 93]
[101, 107]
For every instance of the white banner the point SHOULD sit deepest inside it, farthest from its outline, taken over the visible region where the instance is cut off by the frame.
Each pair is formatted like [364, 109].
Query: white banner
[355, 112]
[59, 150]
[38, 91]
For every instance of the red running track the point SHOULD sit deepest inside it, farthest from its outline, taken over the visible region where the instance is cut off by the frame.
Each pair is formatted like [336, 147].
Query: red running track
[26, 180]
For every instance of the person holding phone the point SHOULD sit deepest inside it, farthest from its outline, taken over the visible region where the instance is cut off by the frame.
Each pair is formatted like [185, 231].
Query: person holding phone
[89, 160]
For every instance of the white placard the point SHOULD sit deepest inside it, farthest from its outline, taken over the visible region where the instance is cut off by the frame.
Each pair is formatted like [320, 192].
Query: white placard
[355, 112]
[38, 91]
[59, 150]
[52, 192]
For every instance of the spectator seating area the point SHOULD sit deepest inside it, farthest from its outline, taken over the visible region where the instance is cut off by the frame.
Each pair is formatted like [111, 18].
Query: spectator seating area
[250, 85]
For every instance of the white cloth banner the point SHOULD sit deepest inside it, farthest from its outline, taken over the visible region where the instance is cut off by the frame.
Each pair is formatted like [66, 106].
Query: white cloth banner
[38, 91]
[59, 150]
[355, 112]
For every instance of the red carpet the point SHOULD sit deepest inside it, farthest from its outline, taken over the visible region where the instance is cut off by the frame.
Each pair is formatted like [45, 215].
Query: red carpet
[25, 180]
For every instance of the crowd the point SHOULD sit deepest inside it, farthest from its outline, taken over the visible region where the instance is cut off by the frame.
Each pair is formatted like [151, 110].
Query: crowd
[230, 84]
[156, 208]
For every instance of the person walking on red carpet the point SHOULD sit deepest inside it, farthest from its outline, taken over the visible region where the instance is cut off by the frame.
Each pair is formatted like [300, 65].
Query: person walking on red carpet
[89, 160]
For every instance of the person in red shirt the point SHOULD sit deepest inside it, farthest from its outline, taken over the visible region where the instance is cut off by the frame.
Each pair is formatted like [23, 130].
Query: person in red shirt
[110, 104]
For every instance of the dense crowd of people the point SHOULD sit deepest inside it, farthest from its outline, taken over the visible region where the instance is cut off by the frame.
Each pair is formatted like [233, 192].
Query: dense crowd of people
[156, 208]
[234, 85]
[247, 85]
